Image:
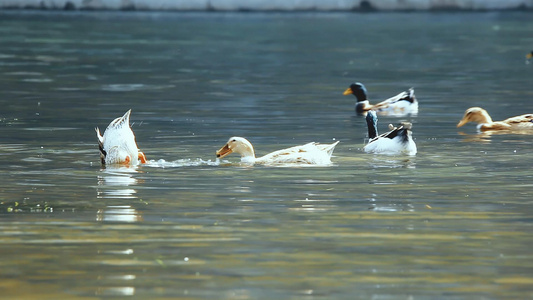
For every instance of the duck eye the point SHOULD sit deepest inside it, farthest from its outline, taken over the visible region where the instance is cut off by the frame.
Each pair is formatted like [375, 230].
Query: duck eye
[234, 140]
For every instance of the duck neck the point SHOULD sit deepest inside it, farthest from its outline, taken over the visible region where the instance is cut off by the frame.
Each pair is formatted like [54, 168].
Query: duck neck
[362, 106]
[371, 122]
[486, 119]
[360, 94]
[247, 154]
[248, 159]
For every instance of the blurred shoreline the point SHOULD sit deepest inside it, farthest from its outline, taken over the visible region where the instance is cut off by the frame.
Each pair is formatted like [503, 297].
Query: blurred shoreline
[271, 5]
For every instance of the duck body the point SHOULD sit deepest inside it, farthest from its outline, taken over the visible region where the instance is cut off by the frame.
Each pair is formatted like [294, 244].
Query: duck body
[397, 141]
[482, 118]
[400, 105]
[117, 145]
[310, 153]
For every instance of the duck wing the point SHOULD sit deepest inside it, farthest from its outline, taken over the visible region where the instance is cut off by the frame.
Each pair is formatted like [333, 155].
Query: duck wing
[527, 118]
[310, 153]
[408, 96]
[401, 130]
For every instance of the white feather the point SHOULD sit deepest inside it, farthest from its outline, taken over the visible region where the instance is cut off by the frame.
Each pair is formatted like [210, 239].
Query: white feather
[118, 142]
[310, 153]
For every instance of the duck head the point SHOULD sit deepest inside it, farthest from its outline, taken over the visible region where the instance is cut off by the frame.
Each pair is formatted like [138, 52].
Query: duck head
[238, 145]
[358, 90]
[477, 115]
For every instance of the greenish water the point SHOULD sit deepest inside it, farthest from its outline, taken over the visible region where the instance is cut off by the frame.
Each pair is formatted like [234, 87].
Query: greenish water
[453, 222]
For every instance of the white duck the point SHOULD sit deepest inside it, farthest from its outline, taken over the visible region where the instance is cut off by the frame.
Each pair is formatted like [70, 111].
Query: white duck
[400, 105]
[117, 145]
[310, 153]
[397, 141]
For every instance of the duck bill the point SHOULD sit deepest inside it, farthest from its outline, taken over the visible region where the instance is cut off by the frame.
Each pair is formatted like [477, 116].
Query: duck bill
[348, 92]
[222, 152]
[463, 122]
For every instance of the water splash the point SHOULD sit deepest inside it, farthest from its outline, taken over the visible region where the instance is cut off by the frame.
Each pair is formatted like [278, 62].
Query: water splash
[161, 163]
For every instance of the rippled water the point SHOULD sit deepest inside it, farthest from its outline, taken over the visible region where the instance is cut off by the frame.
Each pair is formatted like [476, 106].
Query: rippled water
[453, 222]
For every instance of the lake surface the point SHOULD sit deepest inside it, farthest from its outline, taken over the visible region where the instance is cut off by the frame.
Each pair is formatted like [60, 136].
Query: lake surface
[453, 222]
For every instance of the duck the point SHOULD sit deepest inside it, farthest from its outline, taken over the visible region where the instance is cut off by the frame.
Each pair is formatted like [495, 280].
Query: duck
[400, 105]
[398, 140]
[310, 153]
[485, 123]
[529, 55]
[117, 145]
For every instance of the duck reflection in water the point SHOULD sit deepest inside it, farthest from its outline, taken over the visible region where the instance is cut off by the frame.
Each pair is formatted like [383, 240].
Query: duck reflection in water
[392, 162]
[114, 183]
[119, 213]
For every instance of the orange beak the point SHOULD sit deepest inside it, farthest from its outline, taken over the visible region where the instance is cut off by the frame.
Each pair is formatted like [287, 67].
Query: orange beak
[348, 92]
[222, 152]
[463, 122]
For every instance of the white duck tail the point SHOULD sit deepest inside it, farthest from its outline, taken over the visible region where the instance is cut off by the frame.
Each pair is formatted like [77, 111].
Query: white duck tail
[328, 148]
[117, 145]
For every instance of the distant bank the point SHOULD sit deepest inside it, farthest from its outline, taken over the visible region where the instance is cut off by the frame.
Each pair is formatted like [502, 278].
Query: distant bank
[270, 5]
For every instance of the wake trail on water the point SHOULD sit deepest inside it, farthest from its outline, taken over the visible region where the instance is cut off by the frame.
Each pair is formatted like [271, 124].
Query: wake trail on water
[161, 163]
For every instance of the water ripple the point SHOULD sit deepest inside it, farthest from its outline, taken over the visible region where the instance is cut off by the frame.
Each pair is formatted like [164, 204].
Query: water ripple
[133, 87]
[181, 163]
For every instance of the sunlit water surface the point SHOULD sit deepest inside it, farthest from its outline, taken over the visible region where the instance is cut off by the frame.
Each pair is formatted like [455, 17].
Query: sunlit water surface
[453, 222]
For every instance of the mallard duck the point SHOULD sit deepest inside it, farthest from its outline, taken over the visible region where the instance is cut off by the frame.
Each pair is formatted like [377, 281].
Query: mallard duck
[117, 145]
[402, 104]
[485, 123]
[398, 140]
[310, 153]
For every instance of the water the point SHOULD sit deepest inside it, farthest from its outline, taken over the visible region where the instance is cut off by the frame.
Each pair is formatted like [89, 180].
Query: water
[453, 222]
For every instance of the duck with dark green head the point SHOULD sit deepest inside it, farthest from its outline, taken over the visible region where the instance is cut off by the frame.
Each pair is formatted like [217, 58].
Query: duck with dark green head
[400, 105]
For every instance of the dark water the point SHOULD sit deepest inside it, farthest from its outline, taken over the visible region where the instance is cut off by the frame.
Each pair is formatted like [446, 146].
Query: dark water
[454, 222]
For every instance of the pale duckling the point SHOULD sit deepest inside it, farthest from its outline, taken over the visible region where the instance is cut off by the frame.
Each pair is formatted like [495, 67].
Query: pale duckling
[485, 123]
[397, 141]
[400, 105]
[310, 153]
[117, 145]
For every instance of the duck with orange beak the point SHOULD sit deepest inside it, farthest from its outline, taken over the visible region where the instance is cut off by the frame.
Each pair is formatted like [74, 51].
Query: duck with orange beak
[400, 105]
